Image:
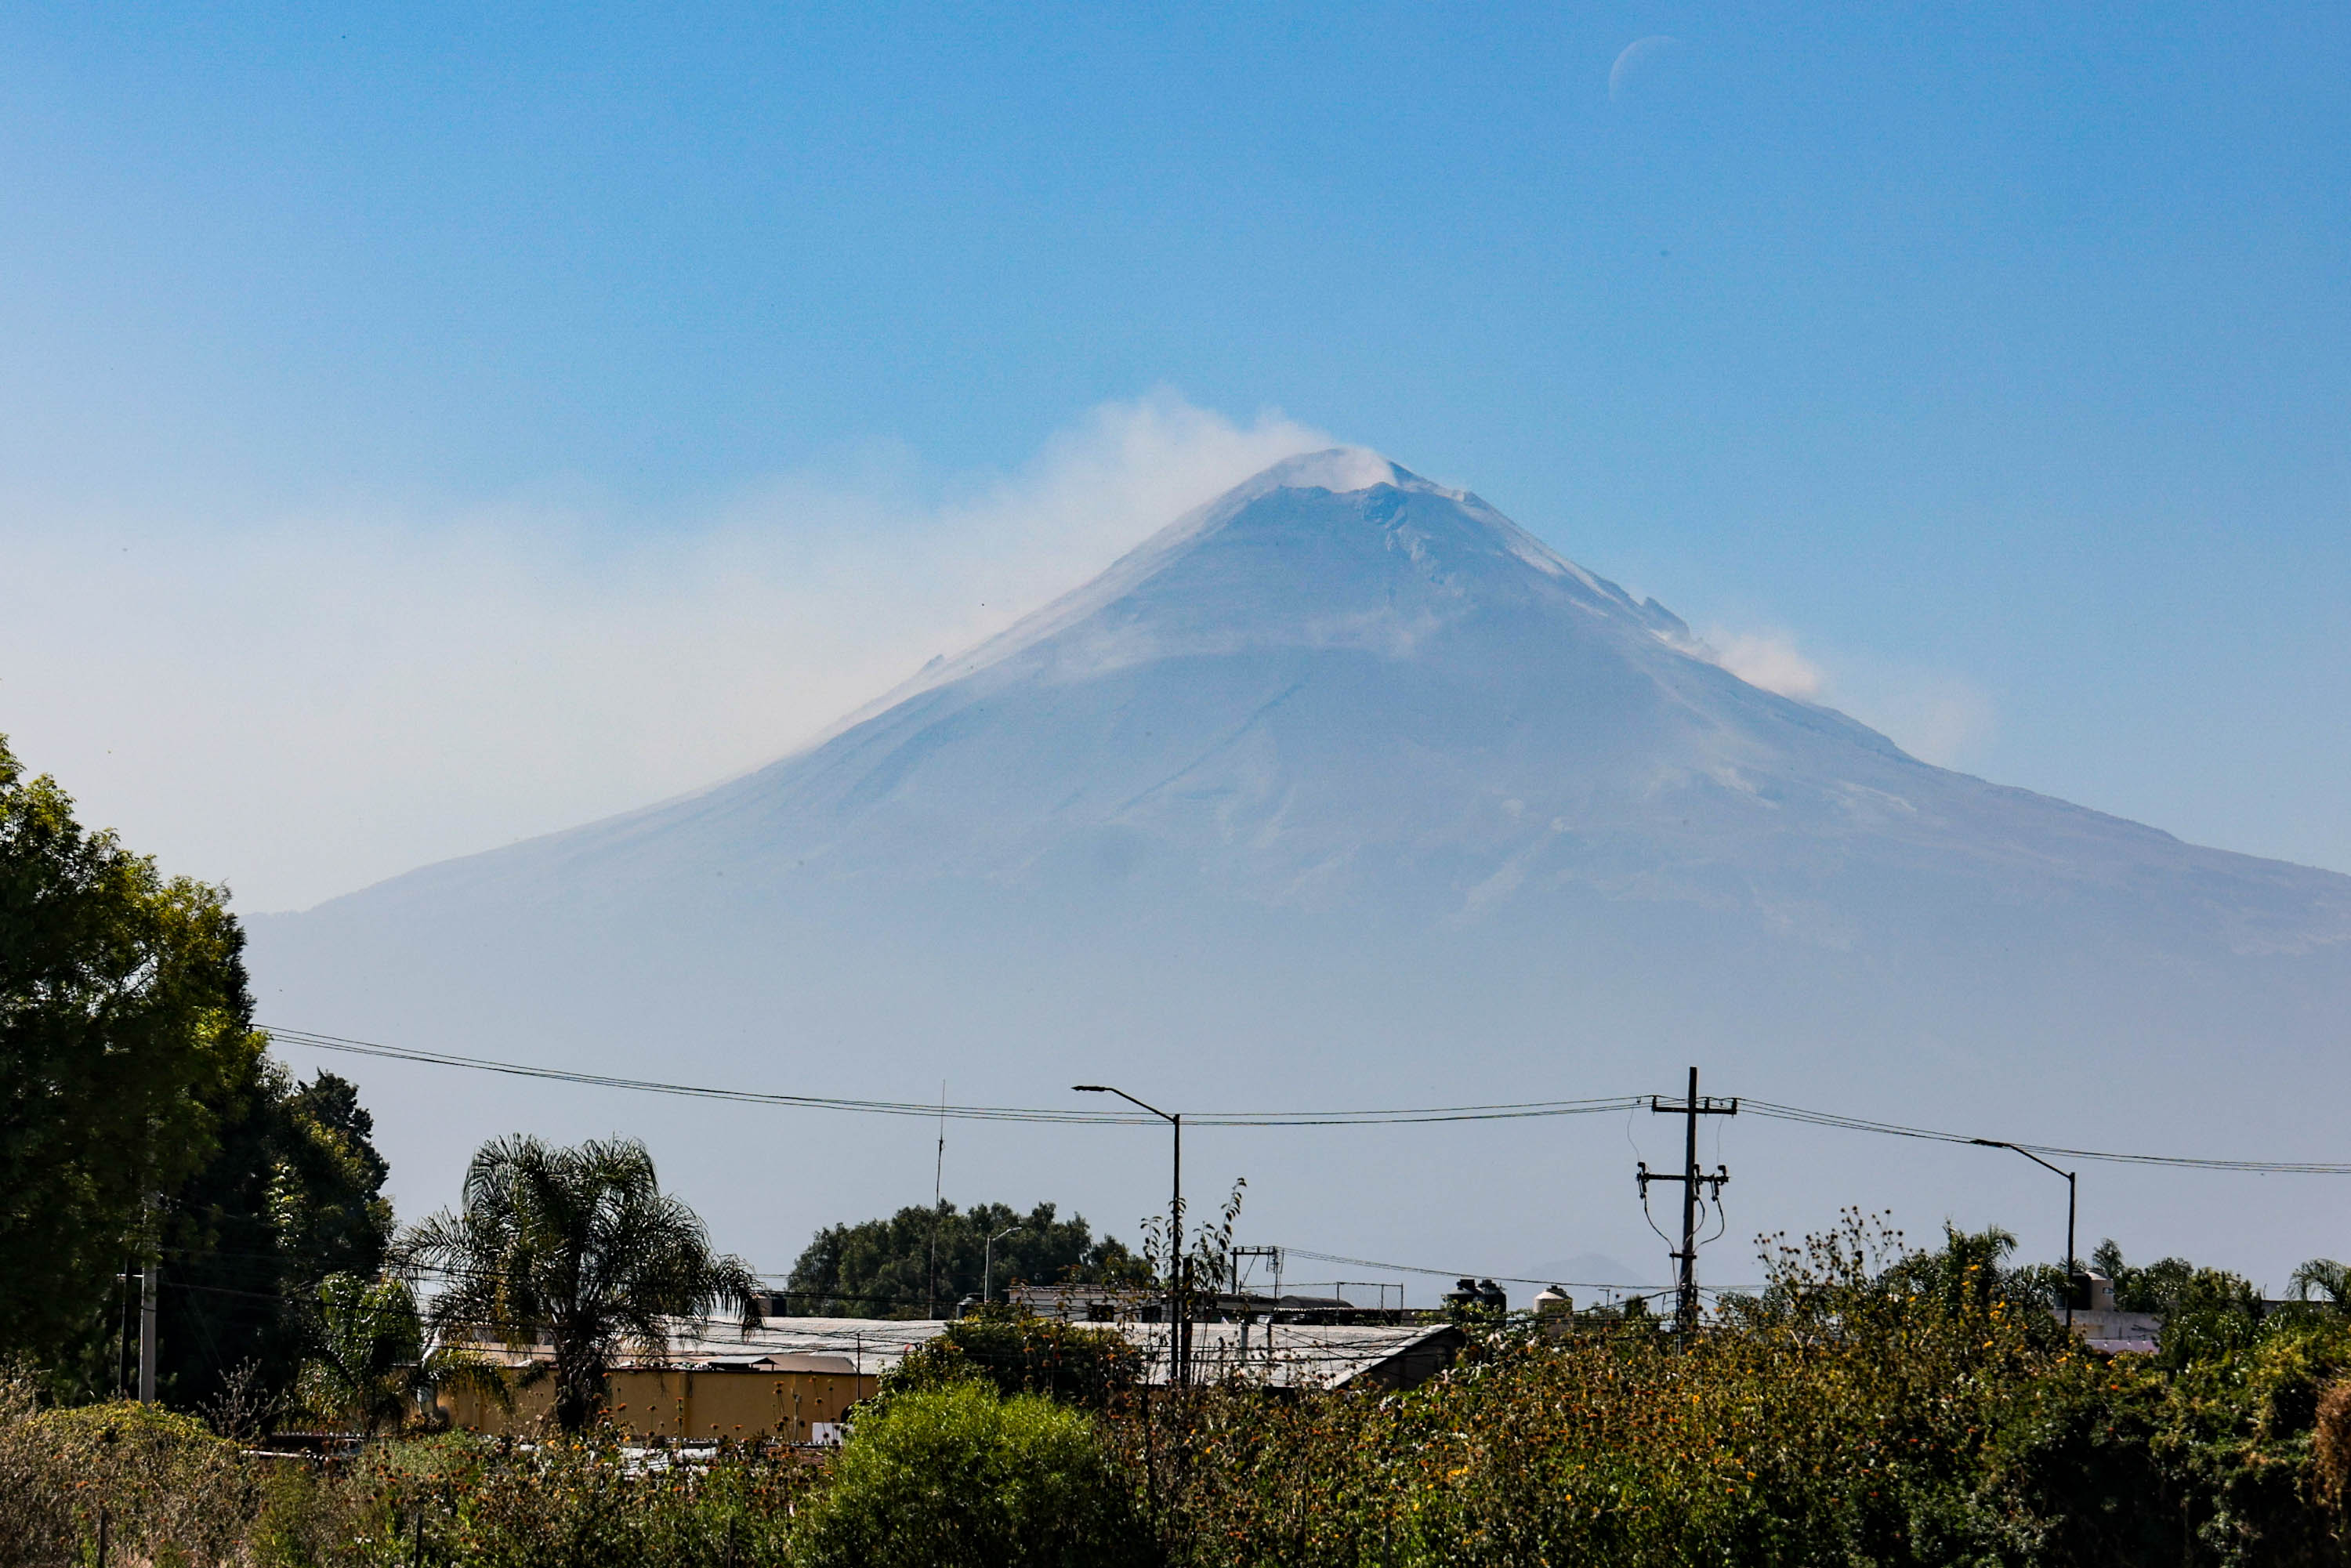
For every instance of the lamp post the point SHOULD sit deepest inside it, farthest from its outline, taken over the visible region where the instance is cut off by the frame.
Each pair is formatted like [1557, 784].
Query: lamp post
[2071, 1193]
[1175, 1227]
[987, 1264]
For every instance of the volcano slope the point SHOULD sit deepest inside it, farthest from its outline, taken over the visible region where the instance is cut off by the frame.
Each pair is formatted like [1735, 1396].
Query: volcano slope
[1345, 790]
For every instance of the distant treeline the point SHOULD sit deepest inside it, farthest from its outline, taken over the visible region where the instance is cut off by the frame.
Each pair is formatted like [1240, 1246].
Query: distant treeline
[922, 1261]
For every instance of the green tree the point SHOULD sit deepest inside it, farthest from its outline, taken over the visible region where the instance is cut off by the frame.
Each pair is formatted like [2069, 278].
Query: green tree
[2206, 1313]
[1972, 1273]
[577, 1248]
[1020, 1353]
[294, 1196]
[1206, 1265]
[368, 1363]
[367, 1355]
[2324, 1280]
[125, 1025]
[922, 1260]
[959, 1476]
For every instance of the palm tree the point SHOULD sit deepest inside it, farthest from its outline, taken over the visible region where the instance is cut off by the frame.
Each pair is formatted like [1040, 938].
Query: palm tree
[366, 1351]
[576, 1248]
[1967, 1275]
[368, 1361]
[2323, 1278]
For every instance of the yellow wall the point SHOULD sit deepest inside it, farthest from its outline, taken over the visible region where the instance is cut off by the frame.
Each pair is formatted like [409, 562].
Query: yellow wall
[691, 1405]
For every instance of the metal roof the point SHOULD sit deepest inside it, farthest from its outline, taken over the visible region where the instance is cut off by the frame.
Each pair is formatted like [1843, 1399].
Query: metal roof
[1280, 1355]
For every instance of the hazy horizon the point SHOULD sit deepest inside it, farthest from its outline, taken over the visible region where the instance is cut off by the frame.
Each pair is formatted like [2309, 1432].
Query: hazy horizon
[1345, 792]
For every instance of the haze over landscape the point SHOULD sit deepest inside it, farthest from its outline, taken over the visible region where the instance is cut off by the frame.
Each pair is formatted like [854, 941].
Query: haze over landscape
[1344, 791]
[846, 552]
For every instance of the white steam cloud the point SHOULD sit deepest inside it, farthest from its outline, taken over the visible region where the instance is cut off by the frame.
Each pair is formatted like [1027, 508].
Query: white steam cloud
[1769, 660]
[302, 705]
[1939, 718]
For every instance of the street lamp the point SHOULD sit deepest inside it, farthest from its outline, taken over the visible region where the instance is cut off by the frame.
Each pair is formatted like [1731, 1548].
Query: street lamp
[1174, 1225]
[2070, 1195]
[988, 1265]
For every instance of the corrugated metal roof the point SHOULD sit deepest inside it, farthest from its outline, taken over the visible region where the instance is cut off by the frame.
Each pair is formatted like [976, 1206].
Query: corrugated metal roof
[1281, 1355]
[1304, 1355]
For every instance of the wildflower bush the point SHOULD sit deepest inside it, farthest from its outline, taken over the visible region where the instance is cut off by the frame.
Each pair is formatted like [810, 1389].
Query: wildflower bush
[1868, 1407]
[566, 1502]
[166, 1488]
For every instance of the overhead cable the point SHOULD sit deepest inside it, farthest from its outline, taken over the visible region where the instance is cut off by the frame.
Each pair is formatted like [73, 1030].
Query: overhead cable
[1534, 1109]
[2182, 1162]
[1465, 1273]
[967, 1113]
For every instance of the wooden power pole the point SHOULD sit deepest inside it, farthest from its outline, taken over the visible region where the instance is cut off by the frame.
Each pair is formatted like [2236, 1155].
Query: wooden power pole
[1691, 1109]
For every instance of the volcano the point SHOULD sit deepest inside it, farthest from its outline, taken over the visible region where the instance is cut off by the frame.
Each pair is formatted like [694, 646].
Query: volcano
[1345, 789]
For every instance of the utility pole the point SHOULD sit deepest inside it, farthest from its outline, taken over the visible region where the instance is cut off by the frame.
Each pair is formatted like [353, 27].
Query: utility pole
[1691, 1179]
[939, 1198]
[150, 1279]
[1271, 1254]
[126, 1333]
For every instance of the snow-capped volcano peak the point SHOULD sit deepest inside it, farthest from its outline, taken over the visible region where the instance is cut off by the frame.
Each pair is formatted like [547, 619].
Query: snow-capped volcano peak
[1339, 469]
[1345, 788]
[1341, 685]
[1339, 533]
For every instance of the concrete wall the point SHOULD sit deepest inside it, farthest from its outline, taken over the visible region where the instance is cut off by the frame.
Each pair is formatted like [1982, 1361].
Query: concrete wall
[685, 1406]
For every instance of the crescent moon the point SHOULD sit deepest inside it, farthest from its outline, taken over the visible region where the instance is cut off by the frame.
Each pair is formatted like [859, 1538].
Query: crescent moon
[1635, 53]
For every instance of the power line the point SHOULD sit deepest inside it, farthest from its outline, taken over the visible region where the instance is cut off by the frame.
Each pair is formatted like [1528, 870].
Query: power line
[2181, 1161]
[1399, 1116]
[692, 1091]
[966, 1113]
[1481, 1274]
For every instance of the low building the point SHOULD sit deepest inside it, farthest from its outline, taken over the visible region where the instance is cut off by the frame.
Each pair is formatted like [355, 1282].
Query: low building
[794, 1378]
[2101, 1327]
[1308, 1354]
[1114, 1303]
[790, 1397]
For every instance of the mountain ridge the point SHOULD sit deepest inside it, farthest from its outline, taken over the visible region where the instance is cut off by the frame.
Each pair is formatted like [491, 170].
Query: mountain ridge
[1285, 589]
[1365, 788]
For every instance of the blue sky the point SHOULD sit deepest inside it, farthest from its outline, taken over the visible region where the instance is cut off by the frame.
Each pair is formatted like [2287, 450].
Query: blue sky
[1985, 367]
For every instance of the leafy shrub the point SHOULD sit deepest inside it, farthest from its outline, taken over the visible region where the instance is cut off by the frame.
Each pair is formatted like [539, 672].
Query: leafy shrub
[170, 1490]
[961, 1476]
[2330, 1448]
[1018, 1353]
[1871, 1406]
[580, 1502]
[36, 1517]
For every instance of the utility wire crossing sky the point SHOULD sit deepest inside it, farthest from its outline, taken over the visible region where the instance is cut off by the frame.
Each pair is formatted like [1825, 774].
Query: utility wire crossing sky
[1404, 1116]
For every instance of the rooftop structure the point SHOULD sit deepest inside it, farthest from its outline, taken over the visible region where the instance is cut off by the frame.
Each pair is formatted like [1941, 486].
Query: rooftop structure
[857, 1349]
